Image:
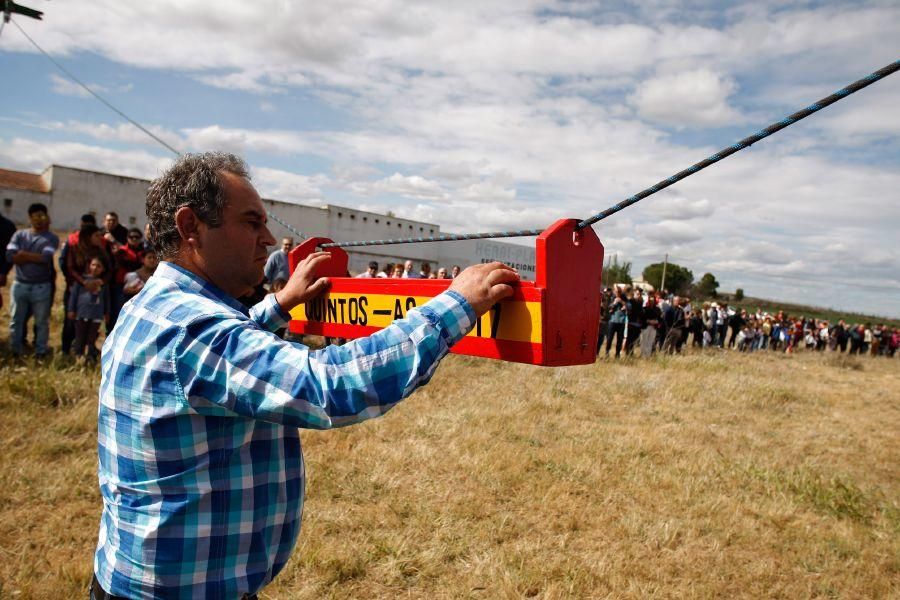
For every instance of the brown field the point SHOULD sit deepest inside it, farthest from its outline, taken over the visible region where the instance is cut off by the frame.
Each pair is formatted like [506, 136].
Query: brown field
[705, 475]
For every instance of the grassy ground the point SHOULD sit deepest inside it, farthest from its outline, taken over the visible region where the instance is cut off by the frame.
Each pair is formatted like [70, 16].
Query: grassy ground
[705, 475]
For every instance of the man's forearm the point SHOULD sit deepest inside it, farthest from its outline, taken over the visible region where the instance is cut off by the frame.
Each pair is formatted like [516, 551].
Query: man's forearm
[23, 257]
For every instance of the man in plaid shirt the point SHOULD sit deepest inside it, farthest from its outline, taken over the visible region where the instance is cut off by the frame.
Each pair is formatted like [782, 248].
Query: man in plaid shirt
[201, 470]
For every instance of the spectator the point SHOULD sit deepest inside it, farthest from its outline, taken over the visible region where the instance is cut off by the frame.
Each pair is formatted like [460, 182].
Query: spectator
[7, 229]
[618, 313]
[135, 281]
[408, 272]
[454, 271]
[675, 324]
[68, 328]
[90, 245]
[88, 308]
[127, 258]
[399, 272]
[425, 272]
[651, 316]
[116, 233]
[386, 273]
[277, 266]
[31, 251]
[635, 320]
[442, 273]
[370, 273]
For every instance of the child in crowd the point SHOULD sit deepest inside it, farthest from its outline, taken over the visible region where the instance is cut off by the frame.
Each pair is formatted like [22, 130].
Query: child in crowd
[88, 309]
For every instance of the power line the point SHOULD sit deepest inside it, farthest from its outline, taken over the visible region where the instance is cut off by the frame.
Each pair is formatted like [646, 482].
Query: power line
[95, 94]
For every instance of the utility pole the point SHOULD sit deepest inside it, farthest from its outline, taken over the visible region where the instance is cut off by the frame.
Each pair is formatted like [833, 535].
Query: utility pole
[662, 285]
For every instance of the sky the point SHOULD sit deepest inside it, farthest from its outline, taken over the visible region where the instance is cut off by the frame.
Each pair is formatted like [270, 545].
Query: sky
[482, 116]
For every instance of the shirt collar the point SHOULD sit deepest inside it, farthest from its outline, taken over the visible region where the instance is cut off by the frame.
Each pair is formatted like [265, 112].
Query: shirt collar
[192, 282]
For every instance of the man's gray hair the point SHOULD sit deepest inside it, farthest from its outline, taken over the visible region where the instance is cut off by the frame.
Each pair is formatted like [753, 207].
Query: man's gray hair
[195, 181]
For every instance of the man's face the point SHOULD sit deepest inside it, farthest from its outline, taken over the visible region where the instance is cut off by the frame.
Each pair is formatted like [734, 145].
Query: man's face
[426, 268]
[40, 221]
[134, 240]
[407, 266]
[442, 273]
[373, 271]
[110, 221]
[233, 255]
[287, 244]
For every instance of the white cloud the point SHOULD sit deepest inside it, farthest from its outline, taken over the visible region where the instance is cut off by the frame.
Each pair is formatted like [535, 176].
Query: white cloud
[277, 184]
[30, 155]
[674, 207]
[67, 87]
[698, 97]
[671, 232]
[412, 186]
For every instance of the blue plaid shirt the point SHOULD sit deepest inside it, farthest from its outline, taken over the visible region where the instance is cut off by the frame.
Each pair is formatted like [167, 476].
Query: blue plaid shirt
[201, 470]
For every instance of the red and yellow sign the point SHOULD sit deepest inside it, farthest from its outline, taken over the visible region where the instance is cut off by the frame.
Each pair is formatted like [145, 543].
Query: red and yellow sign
[553, 320]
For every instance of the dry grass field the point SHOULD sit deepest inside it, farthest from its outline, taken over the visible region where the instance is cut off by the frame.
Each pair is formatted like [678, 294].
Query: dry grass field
[705, 475]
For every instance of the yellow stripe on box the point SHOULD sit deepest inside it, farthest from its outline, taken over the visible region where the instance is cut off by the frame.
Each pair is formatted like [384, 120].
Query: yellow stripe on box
[514, 320]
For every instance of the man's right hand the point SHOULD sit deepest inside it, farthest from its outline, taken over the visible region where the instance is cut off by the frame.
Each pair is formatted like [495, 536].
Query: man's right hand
[304, 283]
[485, 285]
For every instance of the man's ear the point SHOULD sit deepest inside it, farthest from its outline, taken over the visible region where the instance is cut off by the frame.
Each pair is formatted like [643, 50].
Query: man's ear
[188, 225]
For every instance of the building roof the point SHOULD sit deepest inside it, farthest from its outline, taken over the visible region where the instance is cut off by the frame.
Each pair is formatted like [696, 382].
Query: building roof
[20, 180]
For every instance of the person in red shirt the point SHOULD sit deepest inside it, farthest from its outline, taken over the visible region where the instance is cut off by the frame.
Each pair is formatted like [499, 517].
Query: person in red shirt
[128, 257]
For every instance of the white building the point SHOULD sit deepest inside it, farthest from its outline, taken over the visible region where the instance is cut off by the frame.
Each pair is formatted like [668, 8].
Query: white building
[70, 193]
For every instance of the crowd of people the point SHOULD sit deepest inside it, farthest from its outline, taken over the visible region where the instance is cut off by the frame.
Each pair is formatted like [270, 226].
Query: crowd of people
[659, 321]
[102, 268]
[105, 266]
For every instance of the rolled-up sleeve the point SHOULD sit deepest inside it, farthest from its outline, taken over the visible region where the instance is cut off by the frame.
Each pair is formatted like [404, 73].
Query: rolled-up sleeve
[238, 366]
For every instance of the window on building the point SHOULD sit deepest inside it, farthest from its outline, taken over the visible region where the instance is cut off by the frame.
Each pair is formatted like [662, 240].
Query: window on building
[340, 214]
[352, 216]
[132, 220]
[379, 221]
[365, 219]
[7, 203]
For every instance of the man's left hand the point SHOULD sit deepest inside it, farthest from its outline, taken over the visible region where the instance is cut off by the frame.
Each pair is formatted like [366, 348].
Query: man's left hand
[304, 284]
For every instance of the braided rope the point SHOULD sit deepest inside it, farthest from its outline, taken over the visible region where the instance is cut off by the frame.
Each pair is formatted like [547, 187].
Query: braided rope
[287, 226]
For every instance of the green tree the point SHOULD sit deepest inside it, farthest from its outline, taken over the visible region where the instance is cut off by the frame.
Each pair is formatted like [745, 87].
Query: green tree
[707, 286]
[738, 294]
[616, 273]
[678, 278]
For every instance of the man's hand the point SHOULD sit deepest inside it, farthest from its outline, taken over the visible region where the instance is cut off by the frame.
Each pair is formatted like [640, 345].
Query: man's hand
[485, 285]
[304, 284]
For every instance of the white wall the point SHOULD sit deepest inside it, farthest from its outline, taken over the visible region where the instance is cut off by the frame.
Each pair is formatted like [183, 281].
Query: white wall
[76, 191]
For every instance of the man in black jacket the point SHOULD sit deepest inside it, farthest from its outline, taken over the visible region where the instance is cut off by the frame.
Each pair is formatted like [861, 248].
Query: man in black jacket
[7, 229]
